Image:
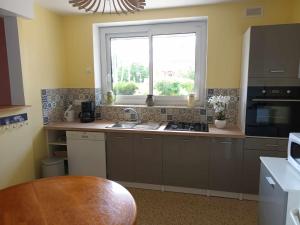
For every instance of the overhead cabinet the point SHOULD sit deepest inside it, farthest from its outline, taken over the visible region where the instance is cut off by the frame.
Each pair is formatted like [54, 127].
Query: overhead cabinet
[275, 51]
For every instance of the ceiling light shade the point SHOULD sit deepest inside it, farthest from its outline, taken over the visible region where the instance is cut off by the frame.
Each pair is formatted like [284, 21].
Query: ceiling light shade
[111, 6]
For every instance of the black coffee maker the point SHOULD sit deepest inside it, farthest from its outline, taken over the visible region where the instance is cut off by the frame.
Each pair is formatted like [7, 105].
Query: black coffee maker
[87, 113]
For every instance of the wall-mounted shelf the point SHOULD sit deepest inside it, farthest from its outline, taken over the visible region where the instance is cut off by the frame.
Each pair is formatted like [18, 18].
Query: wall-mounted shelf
[4, 108]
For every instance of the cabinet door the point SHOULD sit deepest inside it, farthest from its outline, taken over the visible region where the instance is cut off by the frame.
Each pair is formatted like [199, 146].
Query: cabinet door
[186, 161]
[148, 159]
[251, 168]
[120, 157]
[275, 51]
[272, 200]
[226, 165]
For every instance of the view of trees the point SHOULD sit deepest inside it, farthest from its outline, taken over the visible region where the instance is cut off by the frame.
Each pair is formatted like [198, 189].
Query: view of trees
[133, 79]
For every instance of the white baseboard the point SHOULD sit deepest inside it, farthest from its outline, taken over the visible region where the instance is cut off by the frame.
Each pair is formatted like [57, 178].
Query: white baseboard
[195, 191]
[142, 186]
[250, 197]
[185, 190]
[224, 194]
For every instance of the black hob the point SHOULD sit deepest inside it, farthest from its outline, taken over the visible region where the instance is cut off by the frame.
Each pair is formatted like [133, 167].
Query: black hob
[182, 126]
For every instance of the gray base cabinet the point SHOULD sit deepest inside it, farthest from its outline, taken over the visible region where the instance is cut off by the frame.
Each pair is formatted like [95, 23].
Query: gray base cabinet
[251, 168]
[119, 154]
[147, 153]
[186, 161]
[134, 158]
[222, 164]
[273, 200]
[255, 148]
[226, 165]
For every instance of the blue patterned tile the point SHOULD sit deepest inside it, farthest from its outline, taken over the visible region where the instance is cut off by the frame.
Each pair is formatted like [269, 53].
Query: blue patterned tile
[45, 120]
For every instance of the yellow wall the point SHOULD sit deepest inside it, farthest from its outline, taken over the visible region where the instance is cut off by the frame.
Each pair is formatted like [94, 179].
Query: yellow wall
[43, 65]
[226, 25]
[296, 12]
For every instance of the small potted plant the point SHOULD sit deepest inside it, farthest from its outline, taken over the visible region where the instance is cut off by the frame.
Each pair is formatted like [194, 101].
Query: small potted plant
[219, 103]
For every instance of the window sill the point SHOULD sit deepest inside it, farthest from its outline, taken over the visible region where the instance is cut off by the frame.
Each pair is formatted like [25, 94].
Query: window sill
[4, 108]
[156, 106]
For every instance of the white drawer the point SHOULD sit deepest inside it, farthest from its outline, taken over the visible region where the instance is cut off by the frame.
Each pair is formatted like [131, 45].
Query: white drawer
[85, 135]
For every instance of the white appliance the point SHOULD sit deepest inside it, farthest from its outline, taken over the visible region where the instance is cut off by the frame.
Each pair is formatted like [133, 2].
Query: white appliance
[86, 154]
[294, 150]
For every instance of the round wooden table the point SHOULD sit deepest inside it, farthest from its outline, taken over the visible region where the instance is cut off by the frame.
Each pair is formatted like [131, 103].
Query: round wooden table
[67, 201]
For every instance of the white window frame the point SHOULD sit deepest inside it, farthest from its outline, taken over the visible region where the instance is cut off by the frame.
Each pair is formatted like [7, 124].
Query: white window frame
[102, 58]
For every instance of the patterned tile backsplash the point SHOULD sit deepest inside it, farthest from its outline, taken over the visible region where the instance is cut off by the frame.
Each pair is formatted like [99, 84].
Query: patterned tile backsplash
[56, 101]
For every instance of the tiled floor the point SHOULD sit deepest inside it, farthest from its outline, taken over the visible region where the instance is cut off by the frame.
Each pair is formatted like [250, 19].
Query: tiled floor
[167, 208]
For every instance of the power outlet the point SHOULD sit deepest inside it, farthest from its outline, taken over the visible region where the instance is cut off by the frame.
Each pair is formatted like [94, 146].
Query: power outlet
[88, 71]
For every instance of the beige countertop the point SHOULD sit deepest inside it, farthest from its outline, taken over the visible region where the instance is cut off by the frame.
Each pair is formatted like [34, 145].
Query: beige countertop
[102, 126]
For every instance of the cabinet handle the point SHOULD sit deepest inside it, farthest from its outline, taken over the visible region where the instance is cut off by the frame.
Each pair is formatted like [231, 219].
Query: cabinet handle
[226, 142]
[187, 140]
[119, 137]
[148, 138]
[84, 136]
[272, 145]
[277, 71]
[271, 181]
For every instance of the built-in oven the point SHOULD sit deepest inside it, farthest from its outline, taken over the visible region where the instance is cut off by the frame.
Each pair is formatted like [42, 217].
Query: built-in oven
[273, 111]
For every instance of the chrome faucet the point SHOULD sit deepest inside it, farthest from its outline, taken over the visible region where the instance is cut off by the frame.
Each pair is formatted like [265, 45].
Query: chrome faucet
[137, 117]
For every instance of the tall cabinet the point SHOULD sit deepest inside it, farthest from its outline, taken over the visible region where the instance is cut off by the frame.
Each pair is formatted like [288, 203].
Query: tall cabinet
[270, 57]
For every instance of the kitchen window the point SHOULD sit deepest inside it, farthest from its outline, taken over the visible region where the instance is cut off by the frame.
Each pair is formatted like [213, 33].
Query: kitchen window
[164, 58]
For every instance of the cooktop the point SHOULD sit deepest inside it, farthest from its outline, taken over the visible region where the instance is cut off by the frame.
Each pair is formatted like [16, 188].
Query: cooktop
[182, 126]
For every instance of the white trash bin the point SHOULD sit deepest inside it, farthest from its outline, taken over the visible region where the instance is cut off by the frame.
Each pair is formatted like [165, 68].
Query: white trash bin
[53, 167]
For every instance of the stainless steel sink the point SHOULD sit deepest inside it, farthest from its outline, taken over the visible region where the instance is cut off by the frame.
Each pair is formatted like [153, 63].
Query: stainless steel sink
[123, 125]
[147, 126]
[135, 125]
